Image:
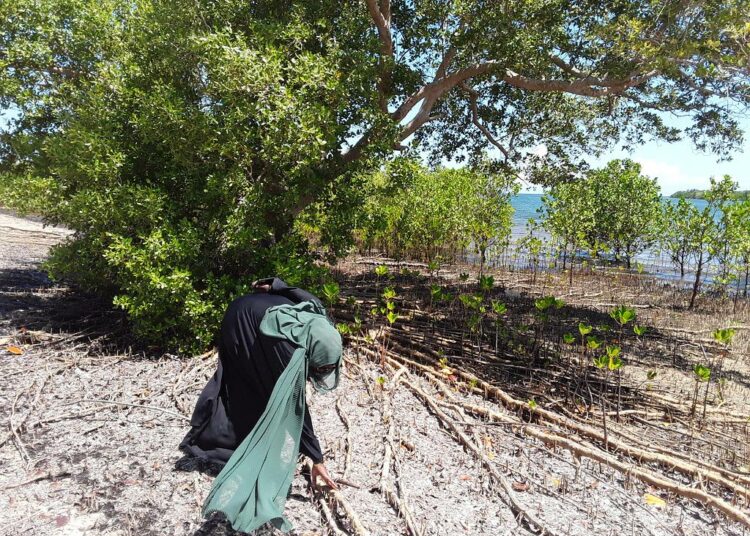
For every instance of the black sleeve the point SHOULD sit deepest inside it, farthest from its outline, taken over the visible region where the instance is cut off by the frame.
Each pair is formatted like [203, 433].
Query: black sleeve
[309, 445]
[297, 295]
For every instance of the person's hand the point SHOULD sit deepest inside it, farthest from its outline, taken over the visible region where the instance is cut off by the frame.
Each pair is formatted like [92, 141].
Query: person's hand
[319, 470]
[261, 285]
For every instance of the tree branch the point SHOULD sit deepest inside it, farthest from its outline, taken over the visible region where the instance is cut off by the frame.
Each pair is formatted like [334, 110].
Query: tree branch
[473, 96]
[381, 16]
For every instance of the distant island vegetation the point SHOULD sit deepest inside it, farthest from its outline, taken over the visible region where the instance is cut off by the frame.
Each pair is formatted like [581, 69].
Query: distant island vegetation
[701, 194]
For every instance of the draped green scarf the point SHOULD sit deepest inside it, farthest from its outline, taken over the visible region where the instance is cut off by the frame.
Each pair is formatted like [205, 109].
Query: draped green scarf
[253, 486]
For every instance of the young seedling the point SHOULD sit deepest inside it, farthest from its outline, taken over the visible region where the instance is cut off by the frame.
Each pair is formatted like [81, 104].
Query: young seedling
[475, 322]
[702, 374]
[380, 271]
[331, 293]
[724, 338]
[486, 282]
[499, 309]
[584, 329]
[622, 315]
[432, 267]
[543, 307]
[614, 363]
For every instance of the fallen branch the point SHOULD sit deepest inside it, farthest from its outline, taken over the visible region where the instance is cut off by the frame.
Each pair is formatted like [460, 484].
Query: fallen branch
[642, 455]
[130, 405]
[394, 499]
[522, 514]
[348, 454]
[43, 476]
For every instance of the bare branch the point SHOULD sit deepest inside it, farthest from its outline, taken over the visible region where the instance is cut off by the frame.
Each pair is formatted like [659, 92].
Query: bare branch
[381, 16]
[383, 25]
[473, 96]
[445, 63]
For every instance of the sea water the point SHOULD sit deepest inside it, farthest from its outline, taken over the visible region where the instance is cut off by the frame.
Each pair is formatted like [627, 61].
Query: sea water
[527, 207]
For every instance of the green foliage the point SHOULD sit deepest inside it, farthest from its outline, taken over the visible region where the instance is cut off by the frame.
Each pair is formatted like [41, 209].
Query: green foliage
[435, 214]
[569, 338]
[499, 308]
[486, 282]
[611, 360]
[614, 208]
[200, 144]
[584, 329]
[702, 373]
[622, 315]
[548, 302]
[593, 342]
[724, 336]
[381, 270]
[639, 330]
[471, 301]
[331, 292]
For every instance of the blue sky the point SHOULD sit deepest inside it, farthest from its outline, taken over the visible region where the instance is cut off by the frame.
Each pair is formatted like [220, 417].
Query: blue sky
[679, 166]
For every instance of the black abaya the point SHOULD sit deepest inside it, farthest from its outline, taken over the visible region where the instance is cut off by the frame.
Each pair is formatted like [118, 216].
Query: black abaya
[249, 365]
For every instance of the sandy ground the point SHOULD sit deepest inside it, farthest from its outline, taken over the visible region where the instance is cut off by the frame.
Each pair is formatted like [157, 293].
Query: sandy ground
[90, 432]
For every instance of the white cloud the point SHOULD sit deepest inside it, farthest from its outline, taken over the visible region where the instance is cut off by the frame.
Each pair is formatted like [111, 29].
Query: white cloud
[670, 177]
[540, 150]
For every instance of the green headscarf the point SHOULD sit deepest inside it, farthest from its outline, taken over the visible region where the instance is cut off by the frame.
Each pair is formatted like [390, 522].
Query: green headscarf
[253, 486]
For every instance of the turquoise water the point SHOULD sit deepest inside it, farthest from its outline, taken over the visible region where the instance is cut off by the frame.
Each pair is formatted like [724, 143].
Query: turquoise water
[527, 205]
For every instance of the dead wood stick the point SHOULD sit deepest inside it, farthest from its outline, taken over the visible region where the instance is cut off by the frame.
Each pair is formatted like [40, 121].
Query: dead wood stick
[348, 454]
[43, 476]
[63, 417]
[351, 515]
[324, 508]
[128, 404]
[522, 513]
[582, 450]
[15, 427]
[14, 430]
[347, 483]
[395, 500]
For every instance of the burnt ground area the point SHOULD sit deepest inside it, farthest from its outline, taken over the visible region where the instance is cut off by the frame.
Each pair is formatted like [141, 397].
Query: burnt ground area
[91, 422]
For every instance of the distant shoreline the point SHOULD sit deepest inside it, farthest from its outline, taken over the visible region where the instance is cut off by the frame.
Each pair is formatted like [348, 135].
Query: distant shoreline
[701, 194]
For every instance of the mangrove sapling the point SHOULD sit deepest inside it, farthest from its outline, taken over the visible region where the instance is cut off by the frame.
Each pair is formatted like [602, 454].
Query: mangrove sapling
[380, 271]
[474, 304]
[622, 315]
[724, 338]
[433, 267]
[543, 307]
[386, 308]
[702, 374]
[486, 282]
[584, 330]
[331, 293]
[499, 309]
